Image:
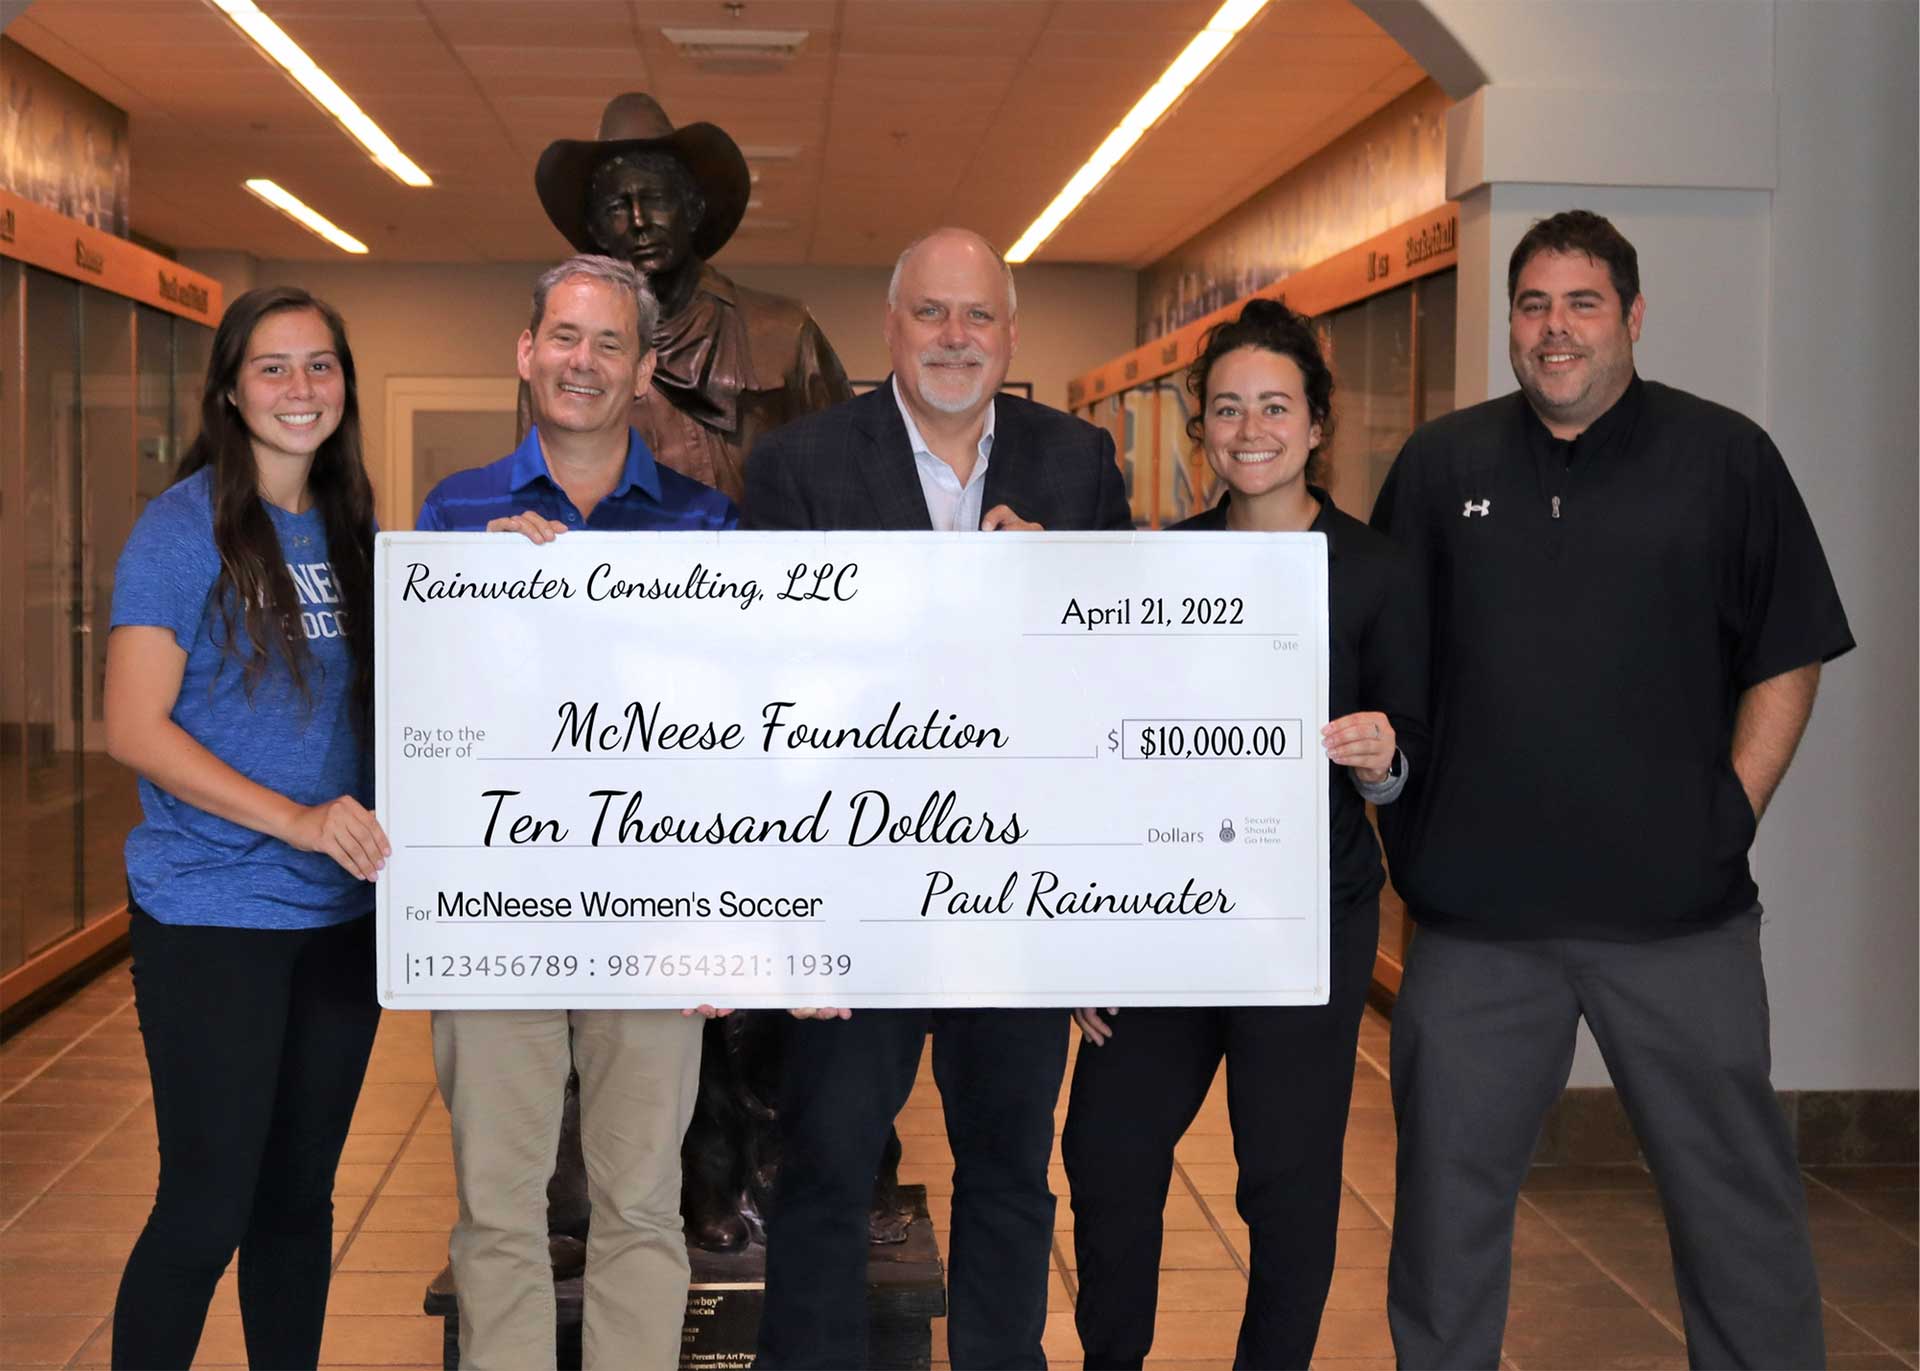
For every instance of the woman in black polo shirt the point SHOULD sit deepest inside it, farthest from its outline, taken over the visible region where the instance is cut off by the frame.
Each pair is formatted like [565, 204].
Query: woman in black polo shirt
[1265, 411]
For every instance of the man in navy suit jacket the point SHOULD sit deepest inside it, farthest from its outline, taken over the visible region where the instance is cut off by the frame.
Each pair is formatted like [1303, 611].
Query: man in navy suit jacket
[939, 448]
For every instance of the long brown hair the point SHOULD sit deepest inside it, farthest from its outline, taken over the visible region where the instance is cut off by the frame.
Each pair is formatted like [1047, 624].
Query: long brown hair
[255, 585]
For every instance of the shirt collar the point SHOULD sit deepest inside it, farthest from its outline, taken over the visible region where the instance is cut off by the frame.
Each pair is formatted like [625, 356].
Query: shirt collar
[716, 285]
[640, 469]
[1604, 431]
[919, 444]
[1322, 522]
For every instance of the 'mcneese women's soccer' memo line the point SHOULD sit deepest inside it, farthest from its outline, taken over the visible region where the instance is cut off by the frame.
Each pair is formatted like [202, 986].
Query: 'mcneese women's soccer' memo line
[852, 769]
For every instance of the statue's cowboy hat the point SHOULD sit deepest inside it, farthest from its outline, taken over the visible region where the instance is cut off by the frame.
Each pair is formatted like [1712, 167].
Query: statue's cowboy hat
[634, 122]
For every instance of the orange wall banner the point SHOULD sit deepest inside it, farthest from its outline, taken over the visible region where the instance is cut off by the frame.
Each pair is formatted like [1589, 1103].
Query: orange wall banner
[39, 237]
[1419, 247]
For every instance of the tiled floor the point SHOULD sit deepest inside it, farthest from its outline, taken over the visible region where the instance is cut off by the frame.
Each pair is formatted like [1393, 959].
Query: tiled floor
[1593, 1287]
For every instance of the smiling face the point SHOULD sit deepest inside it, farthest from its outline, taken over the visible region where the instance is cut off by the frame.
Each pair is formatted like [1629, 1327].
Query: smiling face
[640, 214]
[950, 328]
[1258, 431]
[1569, 341]
[291, 392]
[584, 364]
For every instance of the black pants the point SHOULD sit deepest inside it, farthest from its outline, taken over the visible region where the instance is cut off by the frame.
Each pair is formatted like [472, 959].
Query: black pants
[1289, 1082]
[257, 1042]
[999, 1074]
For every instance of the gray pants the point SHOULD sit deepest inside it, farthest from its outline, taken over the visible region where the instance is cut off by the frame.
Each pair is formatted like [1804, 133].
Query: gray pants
[1483, 1037]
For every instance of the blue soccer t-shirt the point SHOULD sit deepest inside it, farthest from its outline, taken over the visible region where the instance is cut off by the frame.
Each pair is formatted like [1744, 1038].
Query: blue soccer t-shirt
[184, 865]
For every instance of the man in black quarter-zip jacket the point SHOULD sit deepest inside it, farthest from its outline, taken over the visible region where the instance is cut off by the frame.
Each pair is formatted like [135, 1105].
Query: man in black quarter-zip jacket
[1630, 612]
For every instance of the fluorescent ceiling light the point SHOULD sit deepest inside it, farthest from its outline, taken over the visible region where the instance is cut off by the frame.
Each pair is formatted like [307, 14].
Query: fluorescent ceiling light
[770, 44]
[1185, 69]
[272, 40]
[309, 219]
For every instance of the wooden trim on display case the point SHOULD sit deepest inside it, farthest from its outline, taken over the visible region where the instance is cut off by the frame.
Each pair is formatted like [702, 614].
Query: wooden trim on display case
[1419, 247]
[62, 957]
[39, 237]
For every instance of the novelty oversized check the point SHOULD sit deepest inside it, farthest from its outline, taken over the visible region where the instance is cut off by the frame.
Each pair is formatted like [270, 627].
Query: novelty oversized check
[864, 769]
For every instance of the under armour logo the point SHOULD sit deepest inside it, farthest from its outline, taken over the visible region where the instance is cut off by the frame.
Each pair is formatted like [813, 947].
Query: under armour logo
[1480, 507]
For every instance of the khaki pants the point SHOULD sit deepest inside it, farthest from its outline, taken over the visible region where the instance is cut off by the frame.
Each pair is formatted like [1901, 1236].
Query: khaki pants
[502, 1074]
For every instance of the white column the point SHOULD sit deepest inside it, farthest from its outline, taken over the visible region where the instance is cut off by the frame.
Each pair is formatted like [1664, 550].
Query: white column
[1761, 157]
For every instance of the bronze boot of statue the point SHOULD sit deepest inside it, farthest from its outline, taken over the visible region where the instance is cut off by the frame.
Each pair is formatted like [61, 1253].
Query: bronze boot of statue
[890, 1217]
[712, 1164]
[568, 1212]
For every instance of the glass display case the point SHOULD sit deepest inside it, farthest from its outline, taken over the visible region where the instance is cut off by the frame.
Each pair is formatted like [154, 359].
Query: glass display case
[99, 395]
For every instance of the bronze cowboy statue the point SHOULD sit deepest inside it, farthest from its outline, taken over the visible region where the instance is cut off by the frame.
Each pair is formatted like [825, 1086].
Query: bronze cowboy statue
[733, 363]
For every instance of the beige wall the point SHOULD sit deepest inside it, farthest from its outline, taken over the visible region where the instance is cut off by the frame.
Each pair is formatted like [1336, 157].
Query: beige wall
[423, 319]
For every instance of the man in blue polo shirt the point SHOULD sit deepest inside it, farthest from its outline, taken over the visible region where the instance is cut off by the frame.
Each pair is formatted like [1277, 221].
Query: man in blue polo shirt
[580, 466]
[503, 1072]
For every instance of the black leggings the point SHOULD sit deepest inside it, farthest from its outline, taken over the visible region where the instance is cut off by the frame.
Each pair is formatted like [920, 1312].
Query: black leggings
[257, 1041]
[1289, 1082]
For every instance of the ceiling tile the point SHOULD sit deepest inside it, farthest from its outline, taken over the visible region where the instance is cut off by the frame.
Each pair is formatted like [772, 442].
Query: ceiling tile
[905, 114]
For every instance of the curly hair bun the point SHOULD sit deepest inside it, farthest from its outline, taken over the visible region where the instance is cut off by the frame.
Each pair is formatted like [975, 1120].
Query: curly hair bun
[1266, 313]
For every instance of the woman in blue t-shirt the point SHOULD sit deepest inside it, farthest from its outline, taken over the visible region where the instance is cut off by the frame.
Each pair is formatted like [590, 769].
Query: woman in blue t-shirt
[240, 688]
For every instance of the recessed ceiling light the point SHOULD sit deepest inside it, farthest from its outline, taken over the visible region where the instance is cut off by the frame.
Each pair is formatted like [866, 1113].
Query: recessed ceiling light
[272, 40]
[305, 215]
[1185, 69]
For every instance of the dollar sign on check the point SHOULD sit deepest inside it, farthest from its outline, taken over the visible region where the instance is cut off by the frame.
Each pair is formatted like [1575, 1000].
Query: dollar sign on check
[1113, 740]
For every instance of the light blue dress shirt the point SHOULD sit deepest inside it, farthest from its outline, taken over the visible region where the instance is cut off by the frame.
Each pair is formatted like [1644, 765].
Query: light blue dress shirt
[951, 506]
